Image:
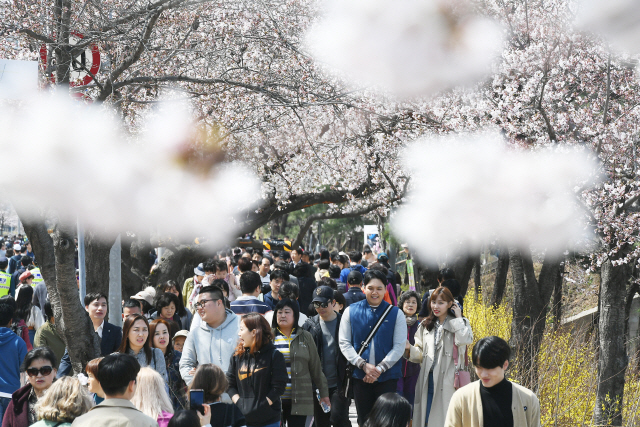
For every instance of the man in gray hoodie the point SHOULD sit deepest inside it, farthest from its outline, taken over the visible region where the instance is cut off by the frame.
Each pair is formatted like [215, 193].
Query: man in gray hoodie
[215, 339]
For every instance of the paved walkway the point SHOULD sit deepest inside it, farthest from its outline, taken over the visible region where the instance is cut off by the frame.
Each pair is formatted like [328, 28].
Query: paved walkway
[353, 416]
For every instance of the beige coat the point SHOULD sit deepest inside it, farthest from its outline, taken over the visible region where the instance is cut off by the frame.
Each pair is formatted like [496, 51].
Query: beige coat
[114, 413]
[423, 352]
[465, 408]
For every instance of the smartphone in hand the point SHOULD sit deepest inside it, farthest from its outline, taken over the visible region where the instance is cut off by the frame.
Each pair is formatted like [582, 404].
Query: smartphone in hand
[196, 400]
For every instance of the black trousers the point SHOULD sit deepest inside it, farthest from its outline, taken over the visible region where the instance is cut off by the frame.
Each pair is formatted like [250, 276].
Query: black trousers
[339, 415]
[366, 394]
[291, 420]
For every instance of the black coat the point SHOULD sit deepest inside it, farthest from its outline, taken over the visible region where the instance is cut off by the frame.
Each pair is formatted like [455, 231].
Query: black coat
[306, 284]
[312, 325]
[254, 377]
[353, 295]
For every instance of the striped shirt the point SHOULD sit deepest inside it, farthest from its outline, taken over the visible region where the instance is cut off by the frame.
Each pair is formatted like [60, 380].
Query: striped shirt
[249, 304]
[283, 344]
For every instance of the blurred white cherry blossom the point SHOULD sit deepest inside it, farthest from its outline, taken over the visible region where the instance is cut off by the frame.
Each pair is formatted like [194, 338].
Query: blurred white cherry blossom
[468, 191]
[412, 48]
[76, 159]
[617, 20]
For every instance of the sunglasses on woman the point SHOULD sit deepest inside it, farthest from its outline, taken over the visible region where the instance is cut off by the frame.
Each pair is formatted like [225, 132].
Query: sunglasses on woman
[45, 370]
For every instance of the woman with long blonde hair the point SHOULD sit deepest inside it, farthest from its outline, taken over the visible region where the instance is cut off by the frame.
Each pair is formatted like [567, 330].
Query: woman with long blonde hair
[65, 401]
[151, 396]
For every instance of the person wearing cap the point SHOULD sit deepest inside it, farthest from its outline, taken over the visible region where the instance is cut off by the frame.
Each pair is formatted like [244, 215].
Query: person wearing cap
[5, 278]
[354, 294]
[377, 369]
[179, 339]
[189, 284]
[25, 279]
[25, 261]
[95, 303]
[391, 275]
[146, 297]
[14, 261]
[324, 328]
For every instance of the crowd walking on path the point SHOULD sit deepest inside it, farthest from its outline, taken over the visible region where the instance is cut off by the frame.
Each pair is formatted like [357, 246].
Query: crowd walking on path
[259, 339]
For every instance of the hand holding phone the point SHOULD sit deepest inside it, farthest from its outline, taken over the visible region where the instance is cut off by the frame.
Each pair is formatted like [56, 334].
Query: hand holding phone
[196, 400]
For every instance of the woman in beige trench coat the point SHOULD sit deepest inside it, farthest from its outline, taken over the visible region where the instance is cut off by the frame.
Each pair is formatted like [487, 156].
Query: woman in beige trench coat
[449, 330]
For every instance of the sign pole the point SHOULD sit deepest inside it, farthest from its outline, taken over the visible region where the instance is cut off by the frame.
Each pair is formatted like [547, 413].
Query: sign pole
[115, 283]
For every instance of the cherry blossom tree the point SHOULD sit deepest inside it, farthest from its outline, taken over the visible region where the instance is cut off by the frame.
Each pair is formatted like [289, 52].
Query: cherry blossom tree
[557, 85]
[253, 90]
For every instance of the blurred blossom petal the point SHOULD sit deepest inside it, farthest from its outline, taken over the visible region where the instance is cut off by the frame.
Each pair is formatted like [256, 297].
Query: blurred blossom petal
[83, 165]
[618, 20]
[412, 48]
[470, 191]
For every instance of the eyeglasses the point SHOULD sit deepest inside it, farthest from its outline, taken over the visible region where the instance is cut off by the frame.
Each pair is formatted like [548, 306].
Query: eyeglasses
[45, 370]
[320, 304]
[202, 303]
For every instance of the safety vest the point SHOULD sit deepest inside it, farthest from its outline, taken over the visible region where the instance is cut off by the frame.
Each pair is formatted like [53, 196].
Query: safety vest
[5, 283]
[37, 277]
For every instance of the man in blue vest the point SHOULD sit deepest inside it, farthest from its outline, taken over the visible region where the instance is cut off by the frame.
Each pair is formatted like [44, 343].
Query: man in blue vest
[377, 370]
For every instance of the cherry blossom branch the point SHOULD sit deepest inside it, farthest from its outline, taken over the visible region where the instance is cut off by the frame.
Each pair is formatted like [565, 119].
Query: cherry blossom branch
[131, 59]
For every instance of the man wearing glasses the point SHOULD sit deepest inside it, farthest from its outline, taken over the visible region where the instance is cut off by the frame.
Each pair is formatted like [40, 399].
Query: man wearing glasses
[214, 339]
[324, 328]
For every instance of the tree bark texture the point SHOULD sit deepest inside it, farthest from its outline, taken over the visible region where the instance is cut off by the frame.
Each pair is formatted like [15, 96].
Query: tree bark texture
[178, 264]
[612, 363]
[463, 266]
[97, 250]
[531, 301]
[477, 278]
[428, 273]
[42, 246]
[83, 344]
[502, 271]
[557, 300]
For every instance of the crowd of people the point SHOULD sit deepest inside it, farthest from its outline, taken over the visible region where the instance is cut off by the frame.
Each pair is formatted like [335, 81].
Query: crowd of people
[261, 340]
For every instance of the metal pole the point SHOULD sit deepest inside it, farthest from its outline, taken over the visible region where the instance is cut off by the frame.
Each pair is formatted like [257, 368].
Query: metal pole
[115, 283]
[81, 265]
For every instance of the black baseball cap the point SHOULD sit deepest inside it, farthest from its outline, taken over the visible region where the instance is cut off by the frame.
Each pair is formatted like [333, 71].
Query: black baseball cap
[323, 294]
[354, 277]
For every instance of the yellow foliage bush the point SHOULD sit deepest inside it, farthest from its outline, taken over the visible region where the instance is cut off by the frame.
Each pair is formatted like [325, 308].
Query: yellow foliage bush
[567, 368]
[486, 321]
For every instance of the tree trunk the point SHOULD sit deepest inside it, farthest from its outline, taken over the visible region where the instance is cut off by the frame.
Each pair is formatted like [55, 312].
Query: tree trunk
[501, 277]
[82, 342]
[557, 300]
[97, 261]
[463, 266]
[178, 264]
[428, 273]
[477, 278]
[612, 363]
[531, 300]
[42, 246]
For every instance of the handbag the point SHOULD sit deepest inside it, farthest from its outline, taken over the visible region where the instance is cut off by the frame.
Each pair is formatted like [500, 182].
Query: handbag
[347, 384]
[462, 377]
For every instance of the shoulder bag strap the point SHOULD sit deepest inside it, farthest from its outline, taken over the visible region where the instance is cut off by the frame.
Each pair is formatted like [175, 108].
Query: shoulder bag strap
[456, 360]
[366, 342]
